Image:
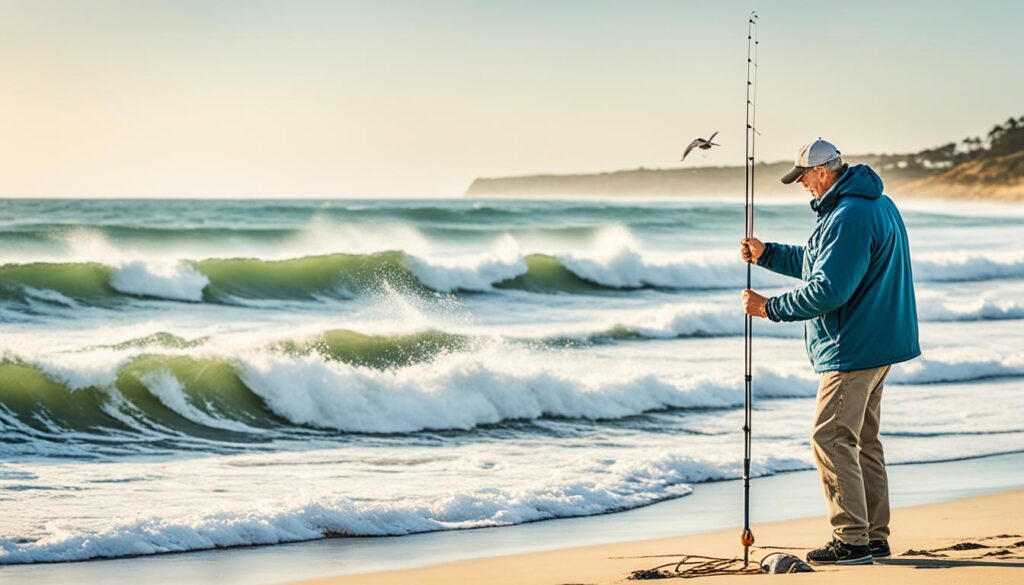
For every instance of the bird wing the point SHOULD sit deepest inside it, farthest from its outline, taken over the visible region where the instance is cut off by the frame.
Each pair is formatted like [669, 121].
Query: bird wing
[692, 145]
[713, 136]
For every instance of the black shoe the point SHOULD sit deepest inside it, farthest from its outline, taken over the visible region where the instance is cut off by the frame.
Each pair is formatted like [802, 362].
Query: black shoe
[838, 552]
[879, 549]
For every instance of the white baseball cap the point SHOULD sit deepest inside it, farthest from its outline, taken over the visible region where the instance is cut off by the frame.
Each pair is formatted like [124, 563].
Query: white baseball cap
[811, 155]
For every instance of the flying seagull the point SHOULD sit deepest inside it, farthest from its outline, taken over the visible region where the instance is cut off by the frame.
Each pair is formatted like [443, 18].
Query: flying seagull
[701, 144]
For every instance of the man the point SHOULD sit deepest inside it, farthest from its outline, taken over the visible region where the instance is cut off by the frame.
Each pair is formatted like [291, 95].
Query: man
[860, 317]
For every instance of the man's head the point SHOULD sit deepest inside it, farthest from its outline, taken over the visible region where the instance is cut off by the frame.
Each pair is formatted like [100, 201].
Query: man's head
[817, 167]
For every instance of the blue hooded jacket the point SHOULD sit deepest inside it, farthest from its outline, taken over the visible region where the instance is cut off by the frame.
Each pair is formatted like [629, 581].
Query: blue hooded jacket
[858, 293]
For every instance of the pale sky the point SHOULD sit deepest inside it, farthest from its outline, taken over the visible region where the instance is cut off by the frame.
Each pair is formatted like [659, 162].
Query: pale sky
[208, 98]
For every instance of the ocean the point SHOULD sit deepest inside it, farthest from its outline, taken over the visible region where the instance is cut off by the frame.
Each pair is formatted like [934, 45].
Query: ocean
[183, 375]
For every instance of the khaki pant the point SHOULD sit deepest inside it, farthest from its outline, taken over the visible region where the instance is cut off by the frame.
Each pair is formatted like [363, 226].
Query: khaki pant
[849, 455]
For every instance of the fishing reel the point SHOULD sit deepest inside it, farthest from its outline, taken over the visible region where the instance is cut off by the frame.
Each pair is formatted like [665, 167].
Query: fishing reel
[747, 538]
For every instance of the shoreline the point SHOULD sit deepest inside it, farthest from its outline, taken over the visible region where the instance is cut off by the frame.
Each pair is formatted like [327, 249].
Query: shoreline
[711, 507]
[977, 539]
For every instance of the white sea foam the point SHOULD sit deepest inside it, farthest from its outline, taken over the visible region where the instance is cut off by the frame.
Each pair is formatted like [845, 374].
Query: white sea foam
[697, 320]
[79, 370]
[966, 266]
[713, 320]
[619, 261]
[707, 319]
[932, 309]
[324, 235]
[927, 370]
[934, 368]
[466, 390]
[177, 281]
[470, 273]
[622, 485]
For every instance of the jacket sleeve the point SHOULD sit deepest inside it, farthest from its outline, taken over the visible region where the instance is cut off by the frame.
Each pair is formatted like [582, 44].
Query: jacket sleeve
[783, 259]
[839, 267]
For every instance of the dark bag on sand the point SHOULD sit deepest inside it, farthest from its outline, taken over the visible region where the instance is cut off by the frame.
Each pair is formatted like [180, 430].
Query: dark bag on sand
[783, 563]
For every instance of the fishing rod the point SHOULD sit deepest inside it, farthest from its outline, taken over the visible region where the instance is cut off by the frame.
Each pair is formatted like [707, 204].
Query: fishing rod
[747, 537]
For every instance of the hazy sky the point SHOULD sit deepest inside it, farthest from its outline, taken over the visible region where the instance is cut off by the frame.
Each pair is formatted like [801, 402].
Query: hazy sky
[334, 98]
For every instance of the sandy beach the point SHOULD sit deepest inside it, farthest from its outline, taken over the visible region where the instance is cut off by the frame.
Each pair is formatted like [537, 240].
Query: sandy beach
[704, 517]
[926, 539]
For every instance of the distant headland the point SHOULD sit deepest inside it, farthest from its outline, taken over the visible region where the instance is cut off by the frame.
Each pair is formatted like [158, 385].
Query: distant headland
[990, 168]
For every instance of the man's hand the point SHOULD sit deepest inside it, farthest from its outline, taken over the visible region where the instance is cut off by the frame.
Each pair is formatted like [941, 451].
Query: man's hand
[754, 304]
[751, 250]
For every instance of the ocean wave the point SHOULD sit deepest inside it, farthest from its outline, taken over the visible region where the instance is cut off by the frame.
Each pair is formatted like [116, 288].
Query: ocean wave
[160, 339]
[48, 296]
[964, 266]
[696, 319]
[267, 390]
[178, 282]
[380, 351]
[207, 396]
[690, 320]
[464, 392]
[983, 309]
[215, 280]
[615, 263]
[929, 370]
[471, 274]
[343, 276]
[628, 484]
[171, 392]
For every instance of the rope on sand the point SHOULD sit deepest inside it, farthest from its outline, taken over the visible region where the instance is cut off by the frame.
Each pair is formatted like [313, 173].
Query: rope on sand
[691, 566]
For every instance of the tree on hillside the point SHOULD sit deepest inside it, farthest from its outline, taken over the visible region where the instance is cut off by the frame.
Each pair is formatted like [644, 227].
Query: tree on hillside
[940, 156]
[971, 145]
[1006, 139]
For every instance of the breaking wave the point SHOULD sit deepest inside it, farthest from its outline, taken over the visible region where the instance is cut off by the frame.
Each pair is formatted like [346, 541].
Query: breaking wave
[957, 369]
[206, 397]
[983, 309]
[967, 266]
[441, 386]
[347, 275]
[615, 260]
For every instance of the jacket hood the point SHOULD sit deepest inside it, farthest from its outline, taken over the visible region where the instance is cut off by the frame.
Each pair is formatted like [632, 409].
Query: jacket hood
[857, 181]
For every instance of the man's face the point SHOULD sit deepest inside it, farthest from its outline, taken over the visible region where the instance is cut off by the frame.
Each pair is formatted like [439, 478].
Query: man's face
[816, 180]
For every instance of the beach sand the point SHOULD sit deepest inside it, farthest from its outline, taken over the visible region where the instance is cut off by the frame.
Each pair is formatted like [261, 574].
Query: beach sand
[995, 522]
